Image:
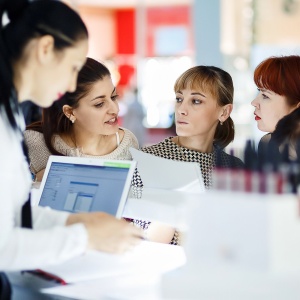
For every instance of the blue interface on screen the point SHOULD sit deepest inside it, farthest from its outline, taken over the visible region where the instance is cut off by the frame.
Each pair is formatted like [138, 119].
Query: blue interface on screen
[84, 188]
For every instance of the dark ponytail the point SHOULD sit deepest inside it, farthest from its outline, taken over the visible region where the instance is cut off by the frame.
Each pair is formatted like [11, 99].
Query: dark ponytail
[29, 20]
[224, 133]
[224, 90]
[8, 99]
[13, 8]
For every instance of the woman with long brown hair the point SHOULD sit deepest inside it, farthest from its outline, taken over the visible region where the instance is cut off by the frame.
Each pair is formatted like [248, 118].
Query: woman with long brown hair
[82, 123]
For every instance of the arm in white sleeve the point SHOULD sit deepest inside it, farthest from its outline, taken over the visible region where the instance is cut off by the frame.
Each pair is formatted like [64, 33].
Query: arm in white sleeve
[45, 217]
[34, 248]
[29, 248]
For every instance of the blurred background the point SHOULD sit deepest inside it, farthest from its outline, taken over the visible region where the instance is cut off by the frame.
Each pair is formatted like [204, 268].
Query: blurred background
[147, 44]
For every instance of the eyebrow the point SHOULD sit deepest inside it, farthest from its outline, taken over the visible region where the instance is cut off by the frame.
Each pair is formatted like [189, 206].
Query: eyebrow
[98, 97]
[265, 91]
[196, 93]
[103, 96]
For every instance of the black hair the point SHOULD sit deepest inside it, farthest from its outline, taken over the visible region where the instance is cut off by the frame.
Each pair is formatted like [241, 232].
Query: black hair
[288, 128]
[29, 20]
[54, 120]
[288, 131]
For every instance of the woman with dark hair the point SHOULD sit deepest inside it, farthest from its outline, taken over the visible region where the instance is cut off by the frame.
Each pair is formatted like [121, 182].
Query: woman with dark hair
[204, 101]
[42, 49]
[82, 123]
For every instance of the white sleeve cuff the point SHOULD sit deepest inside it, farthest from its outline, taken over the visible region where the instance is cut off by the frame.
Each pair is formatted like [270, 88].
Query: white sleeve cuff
[45, 217]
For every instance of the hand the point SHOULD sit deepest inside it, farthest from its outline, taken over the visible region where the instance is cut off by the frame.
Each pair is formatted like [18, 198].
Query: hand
[160, 233]
[39, 175]
[106, 233]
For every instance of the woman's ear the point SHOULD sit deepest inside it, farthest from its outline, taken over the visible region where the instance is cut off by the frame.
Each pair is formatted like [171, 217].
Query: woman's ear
[225, 112]
[45, 50]
[68, 111]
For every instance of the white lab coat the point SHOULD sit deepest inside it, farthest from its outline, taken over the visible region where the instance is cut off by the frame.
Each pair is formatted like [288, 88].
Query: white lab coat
[50, 241]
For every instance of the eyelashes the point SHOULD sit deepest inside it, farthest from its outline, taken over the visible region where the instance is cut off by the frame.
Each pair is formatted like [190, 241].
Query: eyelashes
[113, 98]
[194, 101]
[99, 104]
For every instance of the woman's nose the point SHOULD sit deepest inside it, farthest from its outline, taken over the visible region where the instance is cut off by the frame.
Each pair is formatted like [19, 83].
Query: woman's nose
[182, 110]
[254, 102]
[73, 84]
[114, 108]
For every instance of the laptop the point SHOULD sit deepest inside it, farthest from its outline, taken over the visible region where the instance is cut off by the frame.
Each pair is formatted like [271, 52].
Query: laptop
[79, 184]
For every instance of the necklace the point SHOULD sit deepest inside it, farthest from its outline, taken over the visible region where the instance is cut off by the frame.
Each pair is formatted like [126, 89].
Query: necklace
[78, 150]
[180, 149]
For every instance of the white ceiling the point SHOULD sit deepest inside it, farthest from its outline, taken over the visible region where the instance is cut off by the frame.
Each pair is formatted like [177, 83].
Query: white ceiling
[129, 3]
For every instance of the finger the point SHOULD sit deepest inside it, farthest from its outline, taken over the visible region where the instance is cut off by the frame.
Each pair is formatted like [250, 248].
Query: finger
[137, 231]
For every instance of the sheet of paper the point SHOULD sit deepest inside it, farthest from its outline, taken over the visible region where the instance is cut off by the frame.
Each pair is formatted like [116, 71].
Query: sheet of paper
[147, 256]
[166, 206]
[161, 173]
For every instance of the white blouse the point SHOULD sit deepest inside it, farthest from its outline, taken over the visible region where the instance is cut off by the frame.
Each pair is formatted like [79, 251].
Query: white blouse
[50, 241]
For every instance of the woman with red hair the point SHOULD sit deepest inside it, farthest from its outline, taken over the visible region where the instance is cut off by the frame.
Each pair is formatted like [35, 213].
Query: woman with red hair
[278, 83]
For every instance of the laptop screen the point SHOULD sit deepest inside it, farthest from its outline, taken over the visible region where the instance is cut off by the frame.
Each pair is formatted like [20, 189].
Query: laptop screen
[78, 187]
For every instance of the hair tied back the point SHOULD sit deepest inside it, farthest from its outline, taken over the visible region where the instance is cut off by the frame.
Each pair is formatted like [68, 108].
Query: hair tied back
[13, 8]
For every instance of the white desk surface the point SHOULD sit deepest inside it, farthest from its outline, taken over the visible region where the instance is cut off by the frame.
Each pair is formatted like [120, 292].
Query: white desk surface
[129, 287]
[229, 284]
[133, 275]
[182, 283]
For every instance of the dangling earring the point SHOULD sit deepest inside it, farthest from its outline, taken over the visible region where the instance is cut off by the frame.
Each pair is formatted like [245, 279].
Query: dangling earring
[73, 121]
[221, 123]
